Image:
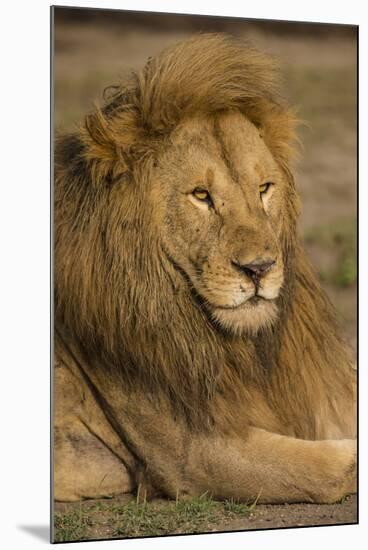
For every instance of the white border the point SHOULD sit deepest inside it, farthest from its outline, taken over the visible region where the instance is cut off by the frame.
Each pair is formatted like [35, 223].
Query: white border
[24, 219]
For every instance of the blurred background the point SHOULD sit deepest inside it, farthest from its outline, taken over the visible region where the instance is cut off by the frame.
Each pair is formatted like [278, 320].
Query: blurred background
[96, 48]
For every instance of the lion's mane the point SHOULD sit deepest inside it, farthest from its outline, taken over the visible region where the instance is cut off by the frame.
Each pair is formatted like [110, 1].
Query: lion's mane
[116, 298]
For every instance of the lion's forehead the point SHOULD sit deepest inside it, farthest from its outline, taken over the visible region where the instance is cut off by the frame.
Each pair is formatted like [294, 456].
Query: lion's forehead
[227, 142]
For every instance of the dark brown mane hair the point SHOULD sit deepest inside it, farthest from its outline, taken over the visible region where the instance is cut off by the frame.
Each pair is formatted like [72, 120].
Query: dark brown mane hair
[117, 298]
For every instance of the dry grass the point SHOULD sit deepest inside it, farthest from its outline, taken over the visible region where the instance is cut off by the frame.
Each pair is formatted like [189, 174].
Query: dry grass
[139, 519]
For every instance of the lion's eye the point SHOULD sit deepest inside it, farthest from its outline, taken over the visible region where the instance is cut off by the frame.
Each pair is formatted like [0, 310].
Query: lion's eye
[202, 195]
[264, 188]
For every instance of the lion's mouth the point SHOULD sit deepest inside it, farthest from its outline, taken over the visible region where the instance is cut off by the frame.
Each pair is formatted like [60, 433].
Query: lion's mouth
[254, 300]
[247, 316]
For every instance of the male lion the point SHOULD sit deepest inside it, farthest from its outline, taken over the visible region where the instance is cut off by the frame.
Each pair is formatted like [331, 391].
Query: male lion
[194, 348]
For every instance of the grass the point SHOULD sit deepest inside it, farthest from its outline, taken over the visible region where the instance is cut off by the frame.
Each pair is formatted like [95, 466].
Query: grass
[137, 519]
[71, 526]
[341, 237]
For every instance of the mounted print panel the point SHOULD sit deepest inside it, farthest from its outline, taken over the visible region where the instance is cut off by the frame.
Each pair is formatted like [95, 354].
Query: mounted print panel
[205, 274]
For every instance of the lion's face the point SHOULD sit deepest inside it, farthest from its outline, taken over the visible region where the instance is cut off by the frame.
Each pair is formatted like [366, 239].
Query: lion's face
[218, 196]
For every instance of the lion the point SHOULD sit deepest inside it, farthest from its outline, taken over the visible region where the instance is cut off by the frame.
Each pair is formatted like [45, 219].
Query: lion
[195, 350]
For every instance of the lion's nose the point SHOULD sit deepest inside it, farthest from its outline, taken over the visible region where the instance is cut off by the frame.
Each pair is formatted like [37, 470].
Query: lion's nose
[255, 270]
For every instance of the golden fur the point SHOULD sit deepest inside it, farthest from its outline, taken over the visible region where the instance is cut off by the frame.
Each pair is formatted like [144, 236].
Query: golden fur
[155, 319]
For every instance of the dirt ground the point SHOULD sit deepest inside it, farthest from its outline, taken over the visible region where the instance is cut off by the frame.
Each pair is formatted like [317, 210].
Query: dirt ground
[298, 515]
[319, 66]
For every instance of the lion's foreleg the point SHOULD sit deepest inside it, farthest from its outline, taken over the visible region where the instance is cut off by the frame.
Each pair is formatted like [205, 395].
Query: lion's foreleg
[274, 468]
[266, 467]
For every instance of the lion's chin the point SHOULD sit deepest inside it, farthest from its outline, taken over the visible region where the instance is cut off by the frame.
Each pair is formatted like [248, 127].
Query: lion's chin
[247, 318]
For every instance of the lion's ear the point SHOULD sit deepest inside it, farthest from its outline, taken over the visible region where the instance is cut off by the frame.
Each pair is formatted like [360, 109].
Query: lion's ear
[277, 125]
[108, 142]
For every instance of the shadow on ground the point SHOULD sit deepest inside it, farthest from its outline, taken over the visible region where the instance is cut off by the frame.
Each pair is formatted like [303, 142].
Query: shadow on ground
[41, 532]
